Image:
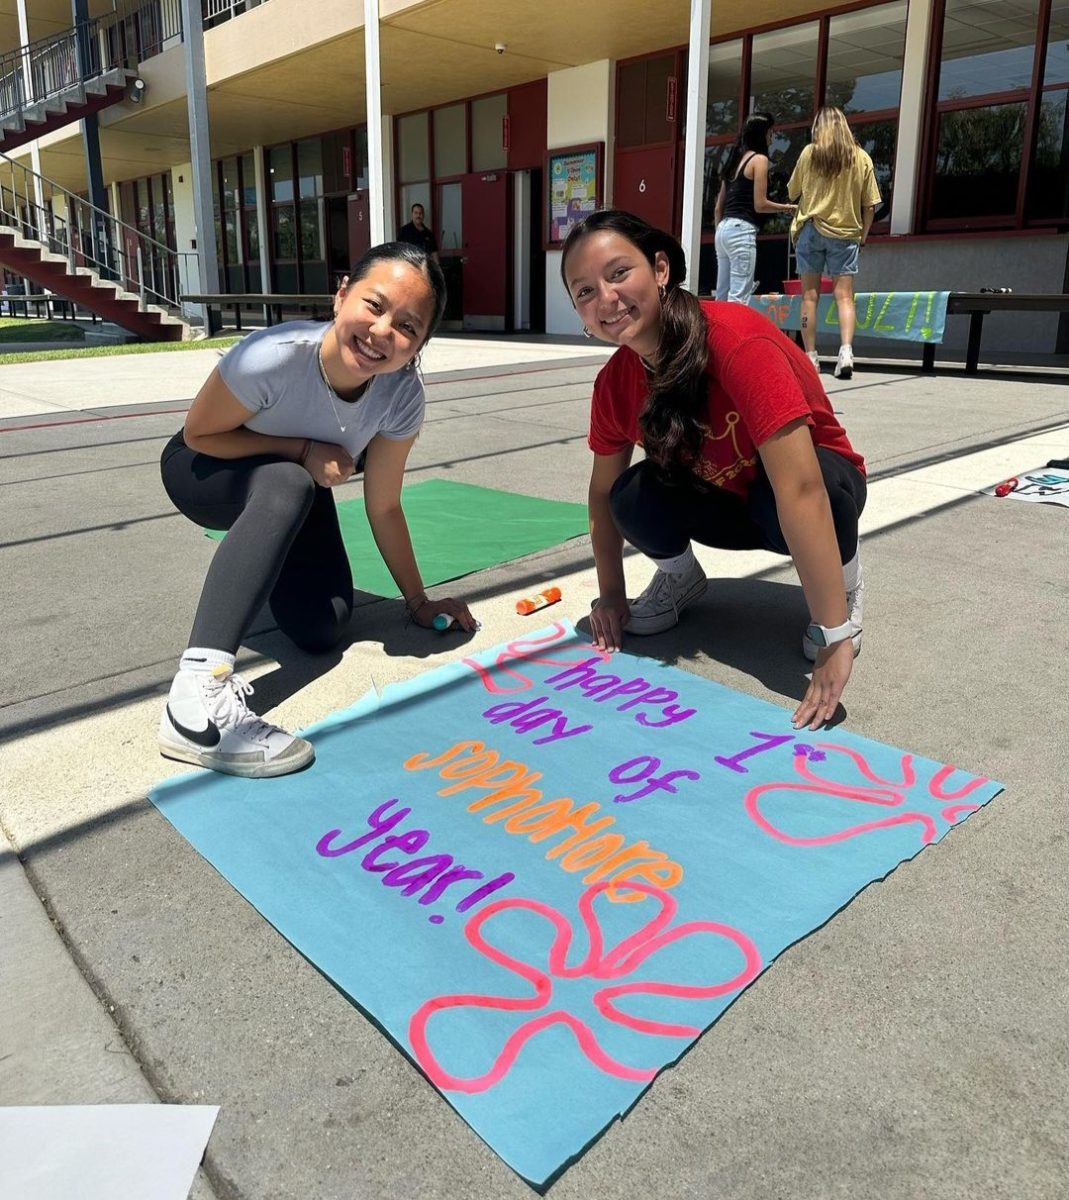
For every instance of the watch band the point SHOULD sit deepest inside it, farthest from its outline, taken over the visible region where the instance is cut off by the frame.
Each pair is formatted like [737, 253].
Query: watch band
[834, 635]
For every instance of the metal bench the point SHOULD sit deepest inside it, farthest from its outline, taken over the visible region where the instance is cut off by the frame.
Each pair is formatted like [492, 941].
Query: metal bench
[272, 304]
[978, 304]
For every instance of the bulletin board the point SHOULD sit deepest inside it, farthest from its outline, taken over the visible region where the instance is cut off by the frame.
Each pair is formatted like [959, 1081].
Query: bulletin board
[574, 189]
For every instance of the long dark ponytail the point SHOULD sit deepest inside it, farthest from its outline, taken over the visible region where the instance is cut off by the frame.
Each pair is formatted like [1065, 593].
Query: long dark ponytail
[752, 139]
[672, 420]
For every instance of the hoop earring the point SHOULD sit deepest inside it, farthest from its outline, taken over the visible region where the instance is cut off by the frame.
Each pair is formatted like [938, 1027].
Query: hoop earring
[586, 332]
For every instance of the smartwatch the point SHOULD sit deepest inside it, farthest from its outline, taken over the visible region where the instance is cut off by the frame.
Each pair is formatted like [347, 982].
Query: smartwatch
[822, 636]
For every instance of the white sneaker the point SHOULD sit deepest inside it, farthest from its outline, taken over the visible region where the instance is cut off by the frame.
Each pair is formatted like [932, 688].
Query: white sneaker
[814, 358]
[207, 722]
[855, 604]
[844, 365]
[659, 606]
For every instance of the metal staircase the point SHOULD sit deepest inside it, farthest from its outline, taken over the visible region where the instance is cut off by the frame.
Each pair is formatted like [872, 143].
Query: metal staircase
[71, 75]
[91, 257]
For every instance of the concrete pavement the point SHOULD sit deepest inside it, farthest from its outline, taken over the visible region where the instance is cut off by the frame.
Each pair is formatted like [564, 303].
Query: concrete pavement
[915, 1046]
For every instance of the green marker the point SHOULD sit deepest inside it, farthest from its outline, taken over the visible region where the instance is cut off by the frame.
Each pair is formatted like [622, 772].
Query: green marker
[442, 622]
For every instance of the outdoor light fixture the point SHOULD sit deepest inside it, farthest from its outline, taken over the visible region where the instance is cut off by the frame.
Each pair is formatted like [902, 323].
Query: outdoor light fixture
[137, 91]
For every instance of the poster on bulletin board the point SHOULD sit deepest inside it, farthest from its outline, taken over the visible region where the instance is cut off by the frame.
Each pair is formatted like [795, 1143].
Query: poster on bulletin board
[573, 188]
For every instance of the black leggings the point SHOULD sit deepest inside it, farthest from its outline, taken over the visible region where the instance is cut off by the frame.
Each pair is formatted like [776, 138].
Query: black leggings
[283, 545]
[661, 518]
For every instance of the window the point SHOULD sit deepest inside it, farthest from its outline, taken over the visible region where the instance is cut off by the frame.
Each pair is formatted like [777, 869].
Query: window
[1000, 139]
[413, 148]
[722, 105]
[865, 53]
[450, 140]
[860, 55]
[487, 144]
[783, 73]
[988, 46]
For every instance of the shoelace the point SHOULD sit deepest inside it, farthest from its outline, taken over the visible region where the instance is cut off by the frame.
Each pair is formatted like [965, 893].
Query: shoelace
[660, 590]
[231, 711]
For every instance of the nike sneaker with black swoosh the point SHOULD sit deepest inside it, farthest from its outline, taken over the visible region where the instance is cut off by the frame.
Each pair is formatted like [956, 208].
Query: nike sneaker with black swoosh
[207, 722]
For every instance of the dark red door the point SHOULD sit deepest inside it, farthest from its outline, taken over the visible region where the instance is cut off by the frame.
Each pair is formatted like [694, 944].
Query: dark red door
[359, 226]
[644, 184]
[484, 221]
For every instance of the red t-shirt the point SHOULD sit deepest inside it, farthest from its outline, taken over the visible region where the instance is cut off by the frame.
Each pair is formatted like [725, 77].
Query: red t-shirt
[759, 381]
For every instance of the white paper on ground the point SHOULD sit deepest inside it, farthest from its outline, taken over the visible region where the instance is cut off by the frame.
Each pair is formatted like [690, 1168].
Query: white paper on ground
[103, 1151]
[1042, 486]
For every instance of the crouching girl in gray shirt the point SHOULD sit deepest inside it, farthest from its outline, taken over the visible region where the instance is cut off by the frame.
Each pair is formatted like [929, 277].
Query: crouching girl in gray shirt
[281, 421]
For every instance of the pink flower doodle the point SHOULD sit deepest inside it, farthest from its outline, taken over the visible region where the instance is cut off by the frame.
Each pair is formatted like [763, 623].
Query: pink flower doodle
[525, 650]
[599, 964]
[888, 794]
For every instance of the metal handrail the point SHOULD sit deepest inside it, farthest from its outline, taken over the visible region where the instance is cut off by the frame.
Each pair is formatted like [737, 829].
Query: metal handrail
[215, 12]
[51, 66]
[90, 237]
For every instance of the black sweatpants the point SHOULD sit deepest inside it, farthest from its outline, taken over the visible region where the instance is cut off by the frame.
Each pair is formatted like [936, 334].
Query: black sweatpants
[661, 517]
[283, 545]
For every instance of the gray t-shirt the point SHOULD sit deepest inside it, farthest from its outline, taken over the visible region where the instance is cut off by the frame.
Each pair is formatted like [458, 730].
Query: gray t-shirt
[274, 372]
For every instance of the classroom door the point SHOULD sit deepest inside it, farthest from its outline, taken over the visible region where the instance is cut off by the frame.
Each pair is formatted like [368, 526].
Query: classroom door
[644, 183]
[485, 259]
[359, 226]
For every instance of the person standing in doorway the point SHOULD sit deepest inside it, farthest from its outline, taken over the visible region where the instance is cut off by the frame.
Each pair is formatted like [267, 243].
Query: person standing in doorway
[835, 186]
[742, 207]
[416, 233]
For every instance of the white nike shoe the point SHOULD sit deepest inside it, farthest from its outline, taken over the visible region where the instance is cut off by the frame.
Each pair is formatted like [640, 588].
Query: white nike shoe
[207, 722]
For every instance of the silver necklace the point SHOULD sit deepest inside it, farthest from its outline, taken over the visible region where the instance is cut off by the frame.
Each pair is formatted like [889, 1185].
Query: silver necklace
[332, 395]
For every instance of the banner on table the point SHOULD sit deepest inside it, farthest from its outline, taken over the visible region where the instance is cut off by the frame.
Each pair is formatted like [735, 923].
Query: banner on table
[545, 870]
[904, 316]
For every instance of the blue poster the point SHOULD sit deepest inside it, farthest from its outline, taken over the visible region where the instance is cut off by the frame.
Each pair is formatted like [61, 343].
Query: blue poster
[545, 870]
[904, 316]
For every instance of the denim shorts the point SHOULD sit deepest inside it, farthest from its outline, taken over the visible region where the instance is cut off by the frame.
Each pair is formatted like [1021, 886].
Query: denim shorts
[816, 254]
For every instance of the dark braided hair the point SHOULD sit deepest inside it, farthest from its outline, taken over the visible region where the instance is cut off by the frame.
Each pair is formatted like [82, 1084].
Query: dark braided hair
[672, 421]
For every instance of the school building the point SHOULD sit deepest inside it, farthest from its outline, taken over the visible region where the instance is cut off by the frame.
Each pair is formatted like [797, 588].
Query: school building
[506, 119]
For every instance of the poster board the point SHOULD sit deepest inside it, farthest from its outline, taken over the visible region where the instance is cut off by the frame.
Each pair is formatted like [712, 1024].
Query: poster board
[545, 870]
[574, 189]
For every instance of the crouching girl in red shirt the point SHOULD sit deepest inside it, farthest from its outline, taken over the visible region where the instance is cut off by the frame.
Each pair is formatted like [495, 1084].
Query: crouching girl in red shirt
[742, 449]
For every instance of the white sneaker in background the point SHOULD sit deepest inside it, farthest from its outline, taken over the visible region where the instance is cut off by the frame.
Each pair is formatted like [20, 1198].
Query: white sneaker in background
[207, 722]
[814, 358]
[844, 365]
[659, 606]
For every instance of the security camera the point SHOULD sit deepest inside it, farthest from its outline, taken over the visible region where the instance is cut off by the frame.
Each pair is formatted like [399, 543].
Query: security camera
[137, 91]
[500, 47]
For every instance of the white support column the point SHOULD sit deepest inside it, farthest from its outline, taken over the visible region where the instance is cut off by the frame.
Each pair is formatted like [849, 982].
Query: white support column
[263, 206]
[35, 152]
[200, 150]
[911, 115]
[373, 89]
[694, 153]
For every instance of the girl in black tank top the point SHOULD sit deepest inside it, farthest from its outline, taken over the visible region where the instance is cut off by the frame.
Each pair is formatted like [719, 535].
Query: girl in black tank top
[742, 207]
